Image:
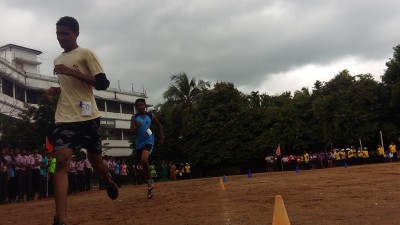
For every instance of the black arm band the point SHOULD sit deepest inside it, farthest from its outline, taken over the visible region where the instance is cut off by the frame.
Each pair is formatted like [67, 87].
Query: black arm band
[102, 82]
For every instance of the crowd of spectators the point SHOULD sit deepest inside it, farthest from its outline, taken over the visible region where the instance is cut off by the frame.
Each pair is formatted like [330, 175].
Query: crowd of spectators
[334, 158]
[26, 175]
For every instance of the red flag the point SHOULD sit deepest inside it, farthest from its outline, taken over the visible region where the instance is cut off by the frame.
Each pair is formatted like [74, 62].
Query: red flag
[278, 151]
[49, 146]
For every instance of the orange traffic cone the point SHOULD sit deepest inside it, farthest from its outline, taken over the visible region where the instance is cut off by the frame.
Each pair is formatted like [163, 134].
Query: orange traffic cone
[221, 184]
[280, 216]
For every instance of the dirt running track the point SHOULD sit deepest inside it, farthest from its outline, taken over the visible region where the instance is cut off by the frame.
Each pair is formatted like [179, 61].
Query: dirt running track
[355, 195]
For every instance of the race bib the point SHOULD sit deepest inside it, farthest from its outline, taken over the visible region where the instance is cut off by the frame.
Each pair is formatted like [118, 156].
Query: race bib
[86, 108]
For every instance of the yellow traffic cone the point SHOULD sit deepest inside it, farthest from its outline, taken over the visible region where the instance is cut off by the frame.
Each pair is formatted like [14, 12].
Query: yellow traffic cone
[280, 216]
[221, 184]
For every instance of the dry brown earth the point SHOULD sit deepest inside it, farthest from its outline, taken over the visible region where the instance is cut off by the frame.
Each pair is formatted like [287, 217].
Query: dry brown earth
[363, 195]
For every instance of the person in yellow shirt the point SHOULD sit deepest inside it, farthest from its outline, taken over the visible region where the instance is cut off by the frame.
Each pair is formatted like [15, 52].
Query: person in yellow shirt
[187, 171]
[393, 150]
[366, 155]
[354, 155]
[343, 157]
[381, 154]
[360, 156]
[349, 156]
[338, 160]
[306, 160]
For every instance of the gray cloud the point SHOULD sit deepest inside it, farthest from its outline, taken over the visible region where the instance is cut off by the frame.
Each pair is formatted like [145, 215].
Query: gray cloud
[244, 42]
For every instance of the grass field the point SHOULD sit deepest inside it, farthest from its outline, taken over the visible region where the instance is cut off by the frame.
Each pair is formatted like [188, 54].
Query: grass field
[368, 194]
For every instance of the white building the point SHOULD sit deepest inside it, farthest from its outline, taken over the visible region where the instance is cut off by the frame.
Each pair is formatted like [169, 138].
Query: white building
[21, 83]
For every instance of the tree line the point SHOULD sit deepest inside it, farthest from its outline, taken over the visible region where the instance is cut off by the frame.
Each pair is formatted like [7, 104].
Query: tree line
[222, 126]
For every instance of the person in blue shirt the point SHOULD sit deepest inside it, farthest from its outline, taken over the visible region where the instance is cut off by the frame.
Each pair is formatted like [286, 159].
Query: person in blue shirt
[144, 138]
[44, 164]
[11, 178]
[117, 169]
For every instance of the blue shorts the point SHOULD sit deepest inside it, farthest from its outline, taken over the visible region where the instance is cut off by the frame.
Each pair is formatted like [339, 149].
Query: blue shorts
[77, 135]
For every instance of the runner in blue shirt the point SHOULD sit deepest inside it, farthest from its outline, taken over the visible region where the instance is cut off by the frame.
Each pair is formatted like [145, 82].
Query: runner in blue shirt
[141, 127]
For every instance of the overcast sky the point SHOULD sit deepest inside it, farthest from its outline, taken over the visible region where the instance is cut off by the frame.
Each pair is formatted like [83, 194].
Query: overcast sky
[270, 46]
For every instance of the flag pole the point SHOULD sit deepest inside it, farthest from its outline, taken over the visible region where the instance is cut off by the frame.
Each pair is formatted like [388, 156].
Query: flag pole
[360, 144]
[382, 141]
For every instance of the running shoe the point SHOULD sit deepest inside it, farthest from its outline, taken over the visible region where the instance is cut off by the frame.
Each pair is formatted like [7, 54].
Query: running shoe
[57, 221]
[150, 186]
[112, 191]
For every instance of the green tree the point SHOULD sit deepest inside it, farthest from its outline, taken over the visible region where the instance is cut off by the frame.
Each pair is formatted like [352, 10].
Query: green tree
[392, 72]
[222, 131]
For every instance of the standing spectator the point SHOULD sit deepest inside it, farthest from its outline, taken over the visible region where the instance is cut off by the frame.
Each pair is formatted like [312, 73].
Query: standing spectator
[135, 174]
[292, 162]
[123, 173]
[343, 157]
[72, 176]
[298, 162]
[181, 171]
[285, 163]
[349, 156]
[52, 171]
[360, 156]
[268, 159]
[164, 170]
[80, 175]
[381, 154]
[140, 173]
[338, 159]
[44, 164]
[153, 171]
[19, 163]
[111, 165]
[35, 171]
[354, 155]
[331, 157]
[393, 150]
[172, 171]
[3, 176]
[366, 155]
[320, 160]
[88, 174]
[306, 161]
[117, 171]
[28, 174]
[11, 175]
[188, 175]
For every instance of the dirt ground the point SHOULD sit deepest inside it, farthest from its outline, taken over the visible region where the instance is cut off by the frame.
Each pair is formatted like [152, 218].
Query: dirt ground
[363, 195]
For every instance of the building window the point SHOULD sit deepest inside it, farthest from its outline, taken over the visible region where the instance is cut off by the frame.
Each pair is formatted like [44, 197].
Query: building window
[7, 88]
[127, 108]
[20, 93]
[33, 97]
[113, 107]
[100, 105]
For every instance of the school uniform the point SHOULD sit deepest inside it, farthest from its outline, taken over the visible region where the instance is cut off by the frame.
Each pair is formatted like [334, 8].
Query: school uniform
[36, 179]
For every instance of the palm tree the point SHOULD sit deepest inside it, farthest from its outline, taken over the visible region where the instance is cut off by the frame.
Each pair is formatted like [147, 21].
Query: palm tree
[181, 94]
